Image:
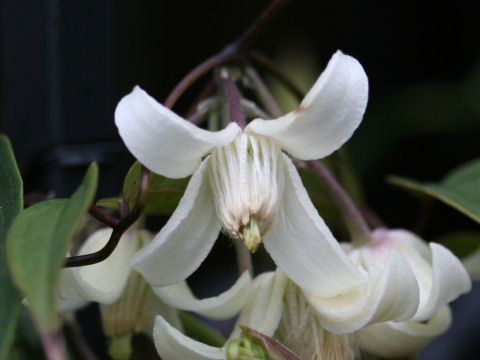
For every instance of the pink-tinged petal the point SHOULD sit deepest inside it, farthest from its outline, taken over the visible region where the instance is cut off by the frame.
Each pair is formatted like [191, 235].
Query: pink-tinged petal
[185, 241]
[327, 116]
[304, 248]
[396, 340]
[390, 294]
[223, 306]
[171, 344]
[105, 281]
[163, 141]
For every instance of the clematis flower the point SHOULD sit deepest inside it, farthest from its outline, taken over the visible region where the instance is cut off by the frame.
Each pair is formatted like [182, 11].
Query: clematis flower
[441, 278]
[245, 184]
[262, 312]
[127, 303]
[340, 326]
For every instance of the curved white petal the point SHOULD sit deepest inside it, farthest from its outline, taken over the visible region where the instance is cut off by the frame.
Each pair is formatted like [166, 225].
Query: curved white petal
[67, 288]
[450, 280]
[395, 340]
[263, 309]
[186, 239]
[171, 344]
[69, 297]
[327, 116]
[304, 248]
[163, 141]
[391, 294]
[220, 307]
[104, 282]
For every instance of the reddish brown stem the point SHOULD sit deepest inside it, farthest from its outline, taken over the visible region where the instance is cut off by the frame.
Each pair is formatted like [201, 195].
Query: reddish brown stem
[249, 36]
[123, 224]
[233, 98]
[229, 53]
[271, 67]
[53, 346]
[358, 228]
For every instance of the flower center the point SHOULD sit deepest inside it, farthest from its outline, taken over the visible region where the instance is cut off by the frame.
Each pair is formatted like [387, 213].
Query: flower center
[300, 330]
[245, 184]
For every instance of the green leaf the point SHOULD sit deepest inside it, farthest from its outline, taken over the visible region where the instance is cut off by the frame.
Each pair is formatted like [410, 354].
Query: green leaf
[11, 203]
[461, 243]
[27, 344]
[37, 243]
[163, 196]
[199, 331]
[460, 189]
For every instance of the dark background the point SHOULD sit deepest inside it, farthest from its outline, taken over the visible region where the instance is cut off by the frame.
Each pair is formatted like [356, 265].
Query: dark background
[65, 65]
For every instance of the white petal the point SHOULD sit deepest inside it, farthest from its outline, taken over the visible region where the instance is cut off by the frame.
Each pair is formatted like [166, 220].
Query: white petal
[104, 282]
[304, 248]
[185, 241]
[390, 294]
[171, 344]
[163, 141]
[69, 297]
[395, 340]
[450, 280]
[170, 314]
[67, 287]
[327, 116]
[263, 309]
[220, 307]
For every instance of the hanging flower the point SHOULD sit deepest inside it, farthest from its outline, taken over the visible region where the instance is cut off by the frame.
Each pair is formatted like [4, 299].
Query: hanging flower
[247, 185]
[262, 312]
[127, 303]
[441, 278]
[279, 308]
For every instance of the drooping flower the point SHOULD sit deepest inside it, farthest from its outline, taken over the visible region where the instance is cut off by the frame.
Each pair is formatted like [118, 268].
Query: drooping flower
[441, 278]
[127, 303]
[262, 312]
[247, 185]
[407, 282]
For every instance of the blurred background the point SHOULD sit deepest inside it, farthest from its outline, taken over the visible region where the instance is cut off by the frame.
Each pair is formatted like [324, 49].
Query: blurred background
[65, 65]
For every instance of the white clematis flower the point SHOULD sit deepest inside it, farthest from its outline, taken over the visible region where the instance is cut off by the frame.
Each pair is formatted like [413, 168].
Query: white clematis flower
[127, 303]
[247, 185]
[262, 312]
[441, 278]
[279, 308]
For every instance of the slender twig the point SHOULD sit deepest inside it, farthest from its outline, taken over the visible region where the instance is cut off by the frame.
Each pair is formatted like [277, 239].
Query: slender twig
[244, 258]
[253, 110]
[206, 92]
[229, 53]
[203, 108]
[278, 73]
[77, 341]
[263, 94]
[249, 36]
[352, 217]
[100, 215]
[123, 224]
[53, 346]
[192, 76]
[372, 218]
[233, 97]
